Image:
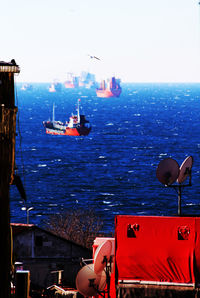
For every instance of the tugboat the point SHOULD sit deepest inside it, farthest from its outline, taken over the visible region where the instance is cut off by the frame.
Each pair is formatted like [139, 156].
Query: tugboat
[111, 89]
[77, 125]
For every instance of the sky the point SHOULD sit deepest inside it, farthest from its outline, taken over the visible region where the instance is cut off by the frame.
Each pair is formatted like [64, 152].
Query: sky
[136, 40]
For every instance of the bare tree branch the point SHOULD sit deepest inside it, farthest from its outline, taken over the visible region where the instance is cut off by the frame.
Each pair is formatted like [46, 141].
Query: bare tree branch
[77, 225]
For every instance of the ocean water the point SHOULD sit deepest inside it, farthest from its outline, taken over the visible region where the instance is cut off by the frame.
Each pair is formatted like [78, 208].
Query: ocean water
[113, 169]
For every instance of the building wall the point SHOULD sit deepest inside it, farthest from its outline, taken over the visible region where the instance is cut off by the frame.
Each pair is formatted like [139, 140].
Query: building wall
[42, 252]
[22, 245]
[37, 243]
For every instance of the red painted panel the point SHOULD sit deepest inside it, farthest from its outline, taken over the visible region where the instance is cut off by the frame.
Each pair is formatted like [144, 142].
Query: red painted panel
[160, 249]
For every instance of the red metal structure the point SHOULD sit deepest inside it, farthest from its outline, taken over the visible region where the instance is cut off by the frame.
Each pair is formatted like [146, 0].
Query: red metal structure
[162, 252]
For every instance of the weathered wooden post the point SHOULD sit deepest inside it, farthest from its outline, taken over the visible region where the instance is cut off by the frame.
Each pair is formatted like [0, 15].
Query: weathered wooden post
[7, 159]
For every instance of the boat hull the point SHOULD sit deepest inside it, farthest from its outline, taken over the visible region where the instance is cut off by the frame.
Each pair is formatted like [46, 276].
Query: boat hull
[55, 132]
[69, 85]
[108, 93]
[81, 131]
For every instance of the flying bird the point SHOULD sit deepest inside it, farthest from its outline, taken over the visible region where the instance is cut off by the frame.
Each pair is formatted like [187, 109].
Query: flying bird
[94, 57]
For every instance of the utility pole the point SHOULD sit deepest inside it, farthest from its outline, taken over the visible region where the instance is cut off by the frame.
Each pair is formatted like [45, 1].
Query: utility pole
[8, 113]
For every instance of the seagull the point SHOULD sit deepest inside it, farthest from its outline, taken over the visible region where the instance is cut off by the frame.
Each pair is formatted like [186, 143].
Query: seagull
[94, 57]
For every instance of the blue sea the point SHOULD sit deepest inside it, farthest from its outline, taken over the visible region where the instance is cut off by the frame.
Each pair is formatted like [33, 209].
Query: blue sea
[113, 169]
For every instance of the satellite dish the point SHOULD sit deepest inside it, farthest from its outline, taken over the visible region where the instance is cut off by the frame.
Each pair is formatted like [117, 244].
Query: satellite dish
[113, 247]
[102, 255]
[185, 169]
[167, 171]
[88, 283]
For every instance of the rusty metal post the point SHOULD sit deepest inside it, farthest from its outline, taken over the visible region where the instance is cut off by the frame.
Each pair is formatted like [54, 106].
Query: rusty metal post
[7, 159]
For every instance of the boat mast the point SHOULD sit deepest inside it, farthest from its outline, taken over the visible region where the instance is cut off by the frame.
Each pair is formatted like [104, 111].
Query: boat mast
[53, 113]
[78, 112]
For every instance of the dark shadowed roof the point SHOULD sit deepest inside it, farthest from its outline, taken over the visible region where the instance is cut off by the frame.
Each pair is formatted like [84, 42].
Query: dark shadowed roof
[11, 63]
[9, 66]
[18, 228]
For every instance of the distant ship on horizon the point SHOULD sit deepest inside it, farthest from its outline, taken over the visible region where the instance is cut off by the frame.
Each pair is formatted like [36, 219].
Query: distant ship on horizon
[111, 88]
[85, 80]
[72, 81]
[54, 87]
[26, 87]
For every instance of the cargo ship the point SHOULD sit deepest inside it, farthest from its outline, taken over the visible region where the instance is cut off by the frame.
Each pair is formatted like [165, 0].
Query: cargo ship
[72, 81]
[54, 87]
[77, 125]
[87, 80]
[110, 89]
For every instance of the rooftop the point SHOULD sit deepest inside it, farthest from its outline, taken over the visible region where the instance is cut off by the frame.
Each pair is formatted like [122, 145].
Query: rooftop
[9, 66]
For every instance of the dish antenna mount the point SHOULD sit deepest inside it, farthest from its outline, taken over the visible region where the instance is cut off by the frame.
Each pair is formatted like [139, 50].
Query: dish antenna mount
[103, 261]
[88, 283]
[92, 278]
[168, 172]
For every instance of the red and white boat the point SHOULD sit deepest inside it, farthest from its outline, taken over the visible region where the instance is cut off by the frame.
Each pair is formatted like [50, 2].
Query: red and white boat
[110, 89]
[77, 125]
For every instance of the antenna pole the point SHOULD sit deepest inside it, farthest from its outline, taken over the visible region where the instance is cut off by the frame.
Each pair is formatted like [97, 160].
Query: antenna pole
[179, 200]
[108, 271]
[78, 112]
